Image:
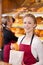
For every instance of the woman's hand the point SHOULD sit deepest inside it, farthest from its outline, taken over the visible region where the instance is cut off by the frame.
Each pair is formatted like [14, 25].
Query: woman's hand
[14, 46]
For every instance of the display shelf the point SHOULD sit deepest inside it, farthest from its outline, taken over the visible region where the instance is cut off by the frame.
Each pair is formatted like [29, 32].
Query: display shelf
[36, 14]
[17, 26]
[22, 14]
[39, 26]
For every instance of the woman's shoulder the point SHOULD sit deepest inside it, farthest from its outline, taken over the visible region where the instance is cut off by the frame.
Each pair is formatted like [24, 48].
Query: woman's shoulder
[37, 42]
[36, 38]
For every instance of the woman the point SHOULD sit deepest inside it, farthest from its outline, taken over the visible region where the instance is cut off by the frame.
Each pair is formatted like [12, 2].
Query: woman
[8, 36]
[30, 43]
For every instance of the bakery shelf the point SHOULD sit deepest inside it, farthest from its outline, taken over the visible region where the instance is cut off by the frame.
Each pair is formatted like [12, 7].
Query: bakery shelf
[14, 26]
[36, 14]
[22, 14]
[39, 26]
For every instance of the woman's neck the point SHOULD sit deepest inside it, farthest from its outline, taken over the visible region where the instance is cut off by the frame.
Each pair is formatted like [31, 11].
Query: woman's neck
[29, 35]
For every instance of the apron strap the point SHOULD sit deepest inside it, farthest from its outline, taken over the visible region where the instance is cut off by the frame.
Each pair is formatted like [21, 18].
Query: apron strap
[22, 39]
[32, 39]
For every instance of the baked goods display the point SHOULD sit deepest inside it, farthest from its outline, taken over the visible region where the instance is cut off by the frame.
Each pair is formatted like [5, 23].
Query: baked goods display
[39, 32]
[17, 26]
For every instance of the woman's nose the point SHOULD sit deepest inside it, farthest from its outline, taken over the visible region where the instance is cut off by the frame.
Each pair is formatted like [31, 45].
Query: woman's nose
[27, 24]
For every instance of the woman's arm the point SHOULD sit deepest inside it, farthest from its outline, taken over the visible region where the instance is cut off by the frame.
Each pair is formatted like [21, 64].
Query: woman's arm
[39, 49]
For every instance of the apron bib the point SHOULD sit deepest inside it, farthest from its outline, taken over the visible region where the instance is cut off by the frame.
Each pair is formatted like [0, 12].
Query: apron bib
[28, 57]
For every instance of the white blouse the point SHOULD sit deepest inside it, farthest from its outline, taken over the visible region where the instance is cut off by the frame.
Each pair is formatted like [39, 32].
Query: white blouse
[36, 48]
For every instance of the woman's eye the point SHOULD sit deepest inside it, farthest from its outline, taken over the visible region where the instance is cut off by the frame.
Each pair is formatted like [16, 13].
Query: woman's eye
[29, 23]
[24, 22]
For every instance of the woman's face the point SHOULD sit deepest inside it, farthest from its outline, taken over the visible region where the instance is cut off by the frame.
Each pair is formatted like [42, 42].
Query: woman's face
[10, 23]
[28, 24]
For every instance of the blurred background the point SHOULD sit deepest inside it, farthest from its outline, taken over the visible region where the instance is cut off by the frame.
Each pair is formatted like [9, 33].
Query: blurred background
[12, 7]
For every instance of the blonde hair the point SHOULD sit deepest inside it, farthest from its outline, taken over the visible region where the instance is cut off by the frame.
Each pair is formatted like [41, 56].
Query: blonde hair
[32, 16]
[6, 19]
